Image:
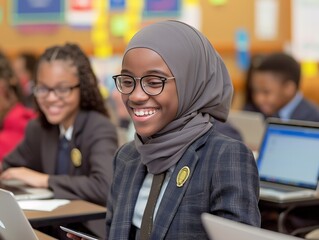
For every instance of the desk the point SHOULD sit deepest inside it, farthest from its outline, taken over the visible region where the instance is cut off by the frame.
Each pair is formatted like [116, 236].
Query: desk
[283, 209]
[75, 211]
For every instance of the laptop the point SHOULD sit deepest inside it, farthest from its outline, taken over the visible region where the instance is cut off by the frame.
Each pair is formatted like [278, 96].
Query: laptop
[288, 161]
[13, 223]
[21, 191]
[251, 126]
[218, 228]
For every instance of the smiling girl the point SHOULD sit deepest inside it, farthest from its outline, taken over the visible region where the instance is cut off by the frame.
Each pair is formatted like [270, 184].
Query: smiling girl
[175, 86]
[70, 147]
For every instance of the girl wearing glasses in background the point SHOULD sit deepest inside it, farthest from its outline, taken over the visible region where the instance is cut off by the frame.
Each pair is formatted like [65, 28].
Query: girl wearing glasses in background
[70, 108]
[174, 86]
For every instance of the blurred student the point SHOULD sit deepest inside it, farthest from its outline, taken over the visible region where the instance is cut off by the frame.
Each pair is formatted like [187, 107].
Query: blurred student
[24, 67]
[275, 83]
[14, 117]
[70, 147]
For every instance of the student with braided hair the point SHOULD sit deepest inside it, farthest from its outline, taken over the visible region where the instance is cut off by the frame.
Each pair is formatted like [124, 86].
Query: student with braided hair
[70, 147]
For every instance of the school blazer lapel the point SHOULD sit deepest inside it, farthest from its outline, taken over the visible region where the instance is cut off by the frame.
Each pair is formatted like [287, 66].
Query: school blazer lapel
[173, 195]
[136, 180]
[50, 141]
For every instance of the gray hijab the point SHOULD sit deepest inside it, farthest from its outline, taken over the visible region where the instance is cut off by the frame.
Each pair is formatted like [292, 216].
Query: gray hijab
[203, 86]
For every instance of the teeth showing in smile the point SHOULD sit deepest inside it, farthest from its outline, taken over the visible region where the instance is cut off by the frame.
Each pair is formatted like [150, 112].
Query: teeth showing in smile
[142, 112]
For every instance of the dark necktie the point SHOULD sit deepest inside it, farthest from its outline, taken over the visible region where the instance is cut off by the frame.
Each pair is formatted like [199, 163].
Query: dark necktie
[63, 157]
[147, 220]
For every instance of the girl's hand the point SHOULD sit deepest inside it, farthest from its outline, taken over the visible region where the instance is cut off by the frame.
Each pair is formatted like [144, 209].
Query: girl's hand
[26, 175]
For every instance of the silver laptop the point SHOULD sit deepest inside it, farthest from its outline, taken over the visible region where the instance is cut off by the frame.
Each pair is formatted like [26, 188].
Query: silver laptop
[251, 126]
[288, 161]
[13, 223]
[218, 228]
[22, 191]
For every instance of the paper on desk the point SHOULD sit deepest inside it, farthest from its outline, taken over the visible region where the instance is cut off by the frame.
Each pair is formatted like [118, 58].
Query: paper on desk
[42, 205]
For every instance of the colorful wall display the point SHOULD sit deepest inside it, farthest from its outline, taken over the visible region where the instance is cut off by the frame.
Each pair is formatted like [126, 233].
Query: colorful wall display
[37, 12]
[80, 13]
[117, 5]
[162, 8]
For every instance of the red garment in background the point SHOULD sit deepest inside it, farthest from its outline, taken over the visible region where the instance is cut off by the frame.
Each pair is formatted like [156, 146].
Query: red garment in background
[13, 128]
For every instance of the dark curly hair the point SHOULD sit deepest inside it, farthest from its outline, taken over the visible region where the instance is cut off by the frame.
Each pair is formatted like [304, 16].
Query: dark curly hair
[30, 62]
[90, 96]
[283, 65]
[7, 75]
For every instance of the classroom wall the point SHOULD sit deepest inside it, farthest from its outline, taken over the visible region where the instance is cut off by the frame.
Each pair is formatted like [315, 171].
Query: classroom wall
[219, 24]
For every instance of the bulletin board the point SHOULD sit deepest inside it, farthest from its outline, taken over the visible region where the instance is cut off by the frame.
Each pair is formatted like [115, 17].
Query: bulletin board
[218, 23]
[221, 22]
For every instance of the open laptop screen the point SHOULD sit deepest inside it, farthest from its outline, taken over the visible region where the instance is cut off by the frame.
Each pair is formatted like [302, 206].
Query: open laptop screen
[289, 154]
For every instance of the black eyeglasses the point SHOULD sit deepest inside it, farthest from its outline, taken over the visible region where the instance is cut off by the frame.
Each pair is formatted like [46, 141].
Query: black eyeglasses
[60, 92]
[151, 84]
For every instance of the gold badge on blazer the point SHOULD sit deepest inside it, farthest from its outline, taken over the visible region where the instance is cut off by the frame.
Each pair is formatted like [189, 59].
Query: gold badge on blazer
[76, 157]
[182, 176]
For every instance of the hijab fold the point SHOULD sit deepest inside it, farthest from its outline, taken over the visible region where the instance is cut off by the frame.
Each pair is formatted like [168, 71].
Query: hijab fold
[203, 86]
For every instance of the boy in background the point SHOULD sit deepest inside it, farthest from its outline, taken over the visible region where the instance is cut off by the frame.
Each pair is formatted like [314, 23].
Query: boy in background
[275, 90]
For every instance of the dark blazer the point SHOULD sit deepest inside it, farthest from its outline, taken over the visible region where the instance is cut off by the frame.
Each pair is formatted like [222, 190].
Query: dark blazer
[223, 181]
[306, 111]
[96, 138]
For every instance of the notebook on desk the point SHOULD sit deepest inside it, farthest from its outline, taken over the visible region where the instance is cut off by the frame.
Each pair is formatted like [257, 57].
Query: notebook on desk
[218, 228]
[22, 191]
[250, 125]
[288, 161]
[13, 223]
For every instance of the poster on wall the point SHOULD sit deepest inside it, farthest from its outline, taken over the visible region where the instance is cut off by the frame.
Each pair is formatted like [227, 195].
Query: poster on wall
[80, 13]
[116, 5]
[305, 37]
[162, 8]
[191, 14]
[266, 19]
[37, 12]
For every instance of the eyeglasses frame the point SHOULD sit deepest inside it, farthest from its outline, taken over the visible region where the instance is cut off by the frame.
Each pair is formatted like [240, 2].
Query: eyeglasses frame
[163, 79]
[70, 89]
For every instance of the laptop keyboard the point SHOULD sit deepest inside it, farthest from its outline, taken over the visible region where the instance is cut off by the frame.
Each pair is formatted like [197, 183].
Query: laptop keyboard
[268, 187]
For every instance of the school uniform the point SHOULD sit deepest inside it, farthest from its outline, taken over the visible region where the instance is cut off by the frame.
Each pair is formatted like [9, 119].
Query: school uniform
[299, 108]
[306, 111]
[89, 177]
[223, 181]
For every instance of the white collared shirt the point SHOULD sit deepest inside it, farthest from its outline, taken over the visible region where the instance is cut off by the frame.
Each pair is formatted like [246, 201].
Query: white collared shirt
[67, 133]
[286, 111]
[143, 197]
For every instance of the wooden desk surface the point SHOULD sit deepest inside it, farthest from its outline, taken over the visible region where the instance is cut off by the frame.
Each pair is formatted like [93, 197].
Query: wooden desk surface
[75, 211]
